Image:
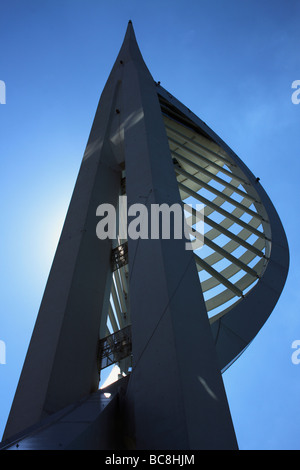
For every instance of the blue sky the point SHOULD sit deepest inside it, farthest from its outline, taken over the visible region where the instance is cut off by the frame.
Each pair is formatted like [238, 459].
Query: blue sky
[232, 63]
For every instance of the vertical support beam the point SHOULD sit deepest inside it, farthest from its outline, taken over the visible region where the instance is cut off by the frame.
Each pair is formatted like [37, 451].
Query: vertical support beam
[61, 363]
[175, 394]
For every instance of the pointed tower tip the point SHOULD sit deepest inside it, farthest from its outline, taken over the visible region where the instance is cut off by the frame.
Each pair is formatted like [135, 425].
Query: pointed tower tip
[130, 26]
[129, 46]
[130, 35]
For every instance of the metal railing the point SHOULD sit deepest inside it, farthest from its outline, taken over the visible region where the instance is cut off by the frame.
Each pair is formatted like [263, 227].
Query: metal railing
[114, 348]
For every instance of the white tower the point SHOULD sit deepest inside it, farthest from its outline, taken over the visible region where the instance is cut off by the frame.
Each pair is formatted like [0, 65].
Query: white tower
[173, 319]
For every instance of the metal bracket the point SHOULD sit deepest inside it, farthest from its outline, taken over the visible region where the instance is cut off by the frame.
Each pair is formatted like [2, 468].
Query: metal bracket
[119, 256]
[114, 348]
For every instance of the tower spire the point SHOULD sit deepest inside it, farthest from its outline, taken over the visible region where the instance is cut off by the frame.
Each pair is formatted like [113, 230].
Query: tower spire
[174, 396]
